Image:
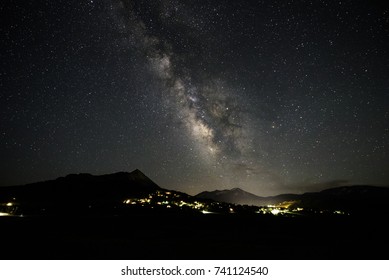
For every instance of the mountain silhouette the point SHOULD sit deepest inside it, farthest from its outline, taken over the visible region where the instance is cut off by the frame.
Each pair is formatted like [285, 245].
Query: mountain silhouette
[352, 199]
[90, 194]
[239, 196]
[77, 192]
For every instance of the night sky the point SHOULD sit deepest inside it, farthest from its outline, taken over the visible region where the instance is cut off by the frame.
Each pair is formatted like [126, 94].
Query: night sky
[270, 96]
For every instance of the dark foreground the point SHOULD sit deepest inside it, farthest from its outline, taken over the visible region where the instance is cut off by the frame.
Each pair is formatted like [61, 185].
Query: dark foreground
[193, 237]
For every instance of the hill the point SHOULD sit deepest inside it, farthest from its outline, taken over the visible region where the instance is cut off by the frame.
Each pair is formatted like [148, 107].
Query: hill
[239, 196]
[77, 192]
[351, 199]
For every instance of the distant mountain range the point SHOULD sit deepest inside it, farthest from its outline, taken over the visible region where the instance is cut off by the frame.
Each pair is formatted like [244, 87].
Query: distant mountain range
[239, 196]
[347, 198]
[123, 191]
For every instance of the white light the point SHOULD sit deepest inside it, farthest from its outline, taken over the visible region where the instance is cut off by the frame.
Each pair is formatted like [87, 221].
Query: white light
[9, 204]
[275, 211]
[4, 214]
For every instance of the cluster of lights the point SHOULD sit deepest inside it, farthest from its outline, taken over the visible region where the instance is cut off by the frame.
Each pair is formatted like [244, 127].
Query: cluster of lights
[273, 209]
[8, 208]
[169, 199]
[166, 199]
[277, 210]
[280, 209]
[135, 201]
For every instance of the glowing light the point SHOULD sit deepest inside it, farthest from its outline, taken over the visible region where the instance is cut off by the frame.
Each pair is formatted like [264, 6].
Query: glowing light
[9, 204]
[201, 130]
[206, 212]
[4, 214]
[286, 204]
[275, 211]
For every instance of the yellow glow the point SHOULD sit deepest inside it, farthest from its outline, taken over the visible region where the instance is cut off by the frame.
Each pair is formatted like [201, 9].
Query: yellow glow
[201, 130]
[286, 204]
[275, 211]
[4, 214]
[9, 204]
[182, 203]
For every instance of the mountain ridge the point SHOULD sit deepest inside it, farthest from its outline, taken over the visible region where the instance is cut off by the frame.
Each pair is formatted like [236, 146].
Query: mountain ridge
[230, 196]
[355, 198]
[77, 191]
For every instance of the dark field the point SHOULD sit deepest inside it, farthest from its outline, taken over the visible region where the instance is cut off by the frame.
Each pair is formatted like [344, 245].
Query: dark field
[165, 236]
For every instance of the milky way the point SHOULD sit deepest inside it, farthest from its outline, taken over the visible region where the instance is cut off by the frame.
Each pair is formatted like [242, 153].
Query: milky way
[209, 111]
[269, 96]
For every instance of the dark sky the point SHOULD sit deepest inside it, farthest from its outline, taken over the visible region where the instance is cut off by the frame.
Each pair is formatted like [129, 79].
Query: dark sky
[269, 96]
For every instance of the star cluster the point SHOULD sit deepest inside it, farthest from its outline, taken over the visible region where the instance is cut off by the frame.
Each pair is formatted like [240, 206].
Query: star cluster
[268, 96]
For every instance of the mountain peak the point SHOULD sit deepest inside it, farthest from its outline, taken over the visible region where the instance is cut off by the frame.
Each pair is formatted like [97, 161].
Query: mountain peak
[137, 172]
[130, 177]
[139, 175]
